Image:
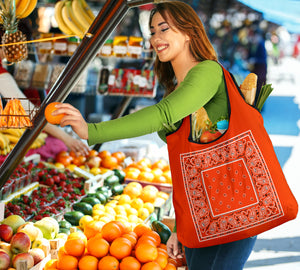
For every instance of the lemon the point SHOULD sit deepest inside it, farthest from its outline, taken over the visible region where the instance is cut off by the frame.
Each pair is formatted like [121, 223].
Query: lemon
[131, 211]
[95, 171]
[84, 220]
[133, 218]
[110, 210]
[137, 203]
[121, 218]
[71, 167]
[59, 165]
[124, 199]
[105, 219]
[97, 212]
[149, 206]
[98, 206]
[126, 206]
[143, 213]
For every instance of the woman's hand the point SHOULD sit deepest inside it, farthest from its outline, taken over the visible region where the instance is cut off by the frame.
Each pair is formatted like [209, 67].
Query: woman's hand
[174, 248]
[73, 118]
[76, 145]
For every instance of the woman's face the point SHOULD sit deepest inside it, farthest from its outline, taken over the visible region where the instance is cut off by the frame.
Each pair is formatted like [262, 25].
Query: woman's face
[169, 43]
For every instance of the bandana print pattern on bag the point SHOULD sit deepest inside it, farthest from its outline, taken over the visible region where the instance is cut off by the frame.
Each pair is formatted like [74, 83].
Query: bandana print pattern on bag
[246, 195]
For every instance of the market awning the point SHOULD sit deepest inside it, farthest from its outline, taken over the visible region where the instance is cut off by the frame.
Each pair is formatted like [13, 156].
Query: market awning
[285, 13]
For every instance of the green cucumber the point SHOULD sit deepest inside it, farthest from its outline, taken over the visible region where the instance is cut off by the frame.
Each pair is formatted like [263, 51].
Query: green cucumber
[83, 207]
[99, 195]
[120, 174]
[64, 224]
[73, 217]
[162, 229]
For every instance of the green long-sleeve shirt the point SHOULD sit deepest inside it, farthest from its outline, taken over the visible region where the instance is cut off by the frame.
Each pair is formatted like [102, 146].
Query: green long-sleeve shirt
[202, 86]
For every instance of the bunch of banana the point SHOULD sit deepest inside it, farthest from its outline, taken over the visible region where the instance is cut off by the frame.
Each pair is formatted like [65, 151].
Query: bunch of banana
[73, 17]
[39, 141]
[12, 136]
[24, 7]
[4, 145]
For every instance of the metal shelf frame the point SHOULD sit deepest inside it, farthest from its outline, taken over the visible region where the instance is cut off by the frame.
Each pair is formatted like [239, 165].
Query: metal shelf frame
[106, 21]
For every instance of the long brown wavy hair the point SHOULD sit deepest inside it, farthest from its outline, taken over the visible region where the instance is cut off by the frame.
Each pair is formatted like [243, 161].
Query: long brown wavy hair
[186, 20]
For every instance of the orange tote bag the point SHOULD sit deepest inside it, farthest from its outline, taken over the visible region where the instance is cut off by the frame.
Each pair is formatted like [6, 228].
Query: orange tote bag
[231, 188]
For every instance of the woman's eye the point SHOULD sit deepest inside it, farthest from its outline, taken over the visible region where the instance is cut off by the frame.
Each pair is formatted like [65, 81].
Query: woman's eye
[165, 29]
[152, 33]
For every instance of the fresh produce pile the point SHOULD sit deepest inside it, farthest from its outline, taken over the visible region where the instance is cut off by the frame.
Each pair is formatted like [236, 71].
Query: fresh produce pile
[26, 241]
[57, 191]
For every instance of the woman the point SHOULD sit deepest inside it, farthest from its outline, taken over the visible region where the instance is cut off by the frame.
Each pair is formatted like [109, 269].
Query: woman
[186, 65]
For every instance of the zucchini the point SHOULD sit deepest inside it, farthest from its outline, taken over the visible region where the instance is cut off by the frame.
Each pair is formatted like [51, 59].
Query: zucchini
[111, 180]
[90, 200]
[73, 217]
[162, 229]
[83, 207]
[120, 174]
[99, 195]
[117, 190]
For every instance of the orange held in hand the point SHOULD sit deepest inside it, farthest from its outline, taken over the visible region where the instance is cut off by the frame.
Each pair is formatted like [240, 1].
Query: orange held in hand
[53, 119]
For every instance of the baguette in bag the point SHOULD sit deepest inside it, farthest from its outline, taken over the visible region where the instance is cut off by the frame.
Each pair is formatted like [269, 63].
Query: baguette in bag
[248, 88]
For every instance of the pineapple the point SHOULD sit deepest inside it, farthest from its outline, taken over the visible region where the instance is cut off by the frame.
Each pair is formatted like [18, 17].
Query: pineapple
[18, 52]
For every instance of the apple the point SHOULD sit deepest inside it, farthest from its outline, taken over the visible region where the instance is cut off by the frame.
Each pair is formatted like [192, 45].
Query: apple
[14, 221]
[32, 231]
[42, 243]
[4, 260]
[6, 247]
[6, 232]
[25, 256]
[20, 243]
[93, 162]
[49, 227]
[37, 255]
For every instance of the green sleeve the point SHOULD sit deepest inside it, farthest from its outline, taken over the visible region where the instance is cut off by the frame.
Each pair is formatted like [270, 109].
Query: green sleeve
[199, 87]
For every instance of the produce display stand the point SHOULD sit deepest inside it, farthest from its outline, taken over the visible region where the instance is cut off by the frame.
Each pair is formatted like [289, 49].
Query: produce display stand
[105, 22]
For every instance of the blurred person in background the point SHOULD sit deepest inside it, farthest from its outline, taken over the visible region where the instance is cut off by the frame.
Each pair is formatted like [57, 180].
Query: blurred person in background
[257, 58]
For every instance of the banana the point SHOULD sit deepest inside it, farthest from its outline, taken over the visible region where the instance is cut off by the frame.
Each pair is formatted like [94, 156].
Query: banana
[12, 139]
[71, 23]
[21, 7]
[59, 19]
[29, 9]
[13, 131]
[88, 10]
[80, 14]
[2, 141]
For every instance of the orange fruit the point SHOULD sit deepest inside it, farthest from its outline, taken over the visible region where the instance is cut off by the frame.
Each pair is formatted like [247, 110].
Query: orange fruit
[88, 262]
[147, 239]
[119, 155]
[109, 162]
[132, 191]
[141, 229]
[93, 153]
[146, 176]
[148, 195]
[120, 248]
[103, 153]
[162, 260]
[151, 266]
[110, 231]
[162, 251]
[67, 262]
[167, 175]
[108, 263]
[61, 252]
[132, 173]
[51, 264]
[50, 108]
[153, 235]
[78, 234]
[92, 228]
[130, 263]
[97, 247]
[170, 266]
[145, 252]
[75, 247]
[161, 164]
[131, 237]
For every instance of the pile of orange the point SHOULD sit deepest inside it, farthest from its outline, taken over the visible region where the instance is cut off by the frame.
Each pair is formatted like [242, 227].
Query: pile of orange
[115, 247]
[145, 170]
